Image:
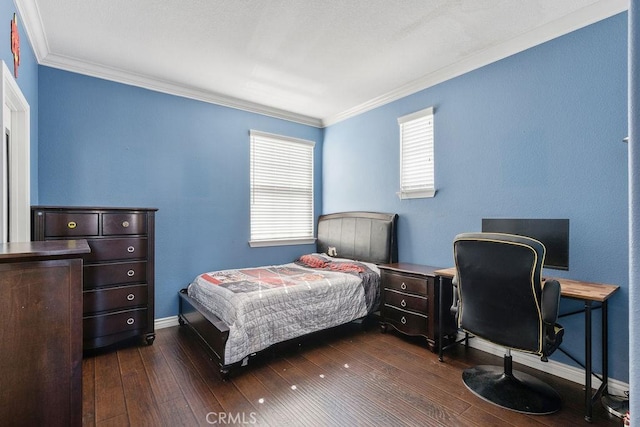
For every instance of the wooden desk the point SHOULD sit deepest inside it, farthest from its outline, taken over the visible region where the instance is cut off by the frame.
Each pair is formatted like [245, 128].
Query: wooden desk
[589, 293]
[576, 289]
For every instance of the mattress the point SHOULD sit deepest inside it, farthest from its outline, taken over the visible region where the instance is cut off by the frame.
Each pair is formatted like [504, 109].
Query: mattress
[266, 305]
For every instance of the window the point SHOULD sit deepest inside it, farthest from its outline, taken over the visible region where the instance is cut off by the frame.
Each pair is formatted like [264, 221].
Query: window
[416, 155]
[281, 190]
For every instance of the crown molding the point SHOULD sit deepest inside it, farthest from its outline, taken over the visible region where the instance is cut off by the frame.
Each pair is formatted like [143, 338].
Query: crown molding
[158, 85]
[30, 15]
[598, 11]
[32, 24]
[586, 16]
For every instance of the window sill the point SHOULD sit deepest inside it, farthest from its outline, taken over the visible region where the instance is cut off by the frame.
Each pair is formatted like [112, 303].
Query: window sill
[283, 242]
[418, 194]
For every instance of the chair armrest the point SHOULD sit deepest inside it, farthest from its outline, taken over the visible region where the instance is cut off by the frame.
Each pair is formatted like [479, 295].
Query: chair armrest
[550, 307]
[550, 301]
[454, 304]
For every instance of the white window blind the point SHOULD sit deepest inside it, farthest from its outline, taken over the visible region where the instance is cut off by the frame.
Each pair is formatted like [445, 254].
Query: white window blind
[281, 190]
[416, 155]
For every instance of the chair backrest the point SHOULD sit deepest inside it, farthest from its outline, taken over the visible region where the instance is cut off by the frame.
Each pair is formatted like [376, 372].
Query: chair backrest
[499, 288]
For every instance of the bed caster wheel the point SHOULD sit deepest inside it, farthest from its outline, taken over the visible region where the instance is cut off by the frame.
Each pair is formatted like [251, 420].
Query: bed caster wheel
[383, 328]
[181, 321]
[224, 373]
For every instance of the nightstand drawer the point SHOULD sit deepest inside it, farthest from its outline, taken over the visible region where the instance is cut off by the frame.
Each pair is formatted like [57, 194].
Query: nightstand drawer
[70, 224]
[115, 273]
[111, 323]
[406, 301]
[117, 249]
[114, 298]
[407, 322]
[403, 283]
[123, 223]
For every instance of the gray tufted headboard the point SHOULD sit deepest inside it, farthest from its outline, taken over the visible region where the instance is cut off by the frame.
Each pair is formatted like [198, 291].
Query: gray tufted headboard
[362, 236]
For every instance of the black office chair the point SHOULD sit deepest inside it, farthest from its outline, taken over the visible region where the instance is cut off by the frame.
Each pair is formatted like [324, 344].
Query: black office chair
[501, 298]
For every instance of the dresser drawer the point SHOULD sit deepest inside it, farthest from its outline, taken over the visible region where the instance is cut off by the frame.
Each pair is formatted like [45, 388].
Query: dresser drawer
[117, 249]
[405, 321]
[417, 285]
[116, 322]
[406, 301]
[123, 223]
[114, 273]
[114, 298]
[70, 224]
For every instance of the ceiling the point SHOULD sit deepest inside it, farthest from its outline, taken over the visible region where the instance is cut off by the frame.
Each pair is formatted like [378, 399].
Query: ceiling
[311, 61]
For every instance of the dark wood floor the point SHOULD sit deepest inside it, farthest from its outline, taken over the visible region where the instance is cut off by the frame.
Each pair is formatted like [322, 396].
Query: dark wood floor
[345, 377]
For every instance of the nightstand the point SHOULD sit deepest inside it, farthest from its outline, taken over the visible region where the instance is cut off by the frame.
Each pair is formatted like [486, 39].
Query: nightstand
[410, 302]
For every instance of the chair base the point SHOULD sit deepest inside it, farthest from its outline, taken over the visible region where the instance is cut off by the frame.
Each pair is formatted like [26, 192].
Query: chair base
[516, 391]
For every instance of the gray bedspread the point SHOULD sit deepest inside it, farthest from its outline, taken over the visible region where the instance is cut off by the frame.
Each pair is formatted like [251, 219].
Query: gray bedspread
[266, 305]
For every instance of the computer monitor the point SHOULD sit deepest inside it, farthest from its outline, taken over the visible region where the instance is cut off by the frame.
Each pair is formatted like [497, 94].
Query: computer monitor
[553, 233]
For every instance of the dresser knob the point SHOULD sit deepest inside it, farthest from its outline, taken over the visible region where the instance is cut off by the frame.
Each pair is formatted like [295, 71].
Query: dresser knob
[131, 249]
[403, 286]
[131, 297]
[130, 321]
[403, 320]
[72, 225]
[130, 273]
[125, 224]
[403, 303]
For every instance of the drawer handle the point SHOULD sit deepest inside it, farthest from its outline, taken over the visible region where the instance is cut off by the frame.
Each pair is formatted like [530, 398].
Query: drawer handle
[130, 273]
[131, 297]
[131, 249]
[403, 303]
[403, 286]
[125, 224]
[72, 224]
[403, 320]
[130, 321]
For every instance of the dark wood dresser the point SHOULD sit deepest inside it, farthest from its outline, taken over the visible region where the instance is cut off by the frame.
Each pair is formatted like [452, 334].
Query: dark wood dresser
[410, 302]
[118, 285]
[40, 338]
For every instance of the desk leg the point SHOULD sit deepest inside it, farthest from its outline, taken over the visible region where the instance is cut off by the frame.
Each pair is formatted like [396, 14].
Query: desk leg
[588, 369]
[605, 347]
[440, 320]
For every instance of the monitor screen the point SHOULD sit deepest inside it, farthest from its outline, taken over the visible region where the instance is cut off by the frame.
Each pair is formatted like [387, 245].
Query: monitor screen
[553, 233]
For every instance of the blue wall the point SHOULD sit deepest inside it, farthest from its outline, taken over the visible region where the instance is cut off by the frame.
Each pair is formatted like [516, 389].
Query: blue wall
[538, 134]
[109, 144]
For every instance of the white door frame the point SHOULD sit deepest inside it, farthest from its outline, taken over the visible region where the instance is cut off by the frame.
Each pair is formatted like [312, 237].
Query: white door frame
[4, 180]
[19, 156]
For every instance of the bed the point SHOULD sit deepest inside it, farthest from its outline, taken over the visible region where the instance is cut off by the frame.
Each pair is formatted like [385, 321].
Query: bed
[239, 313]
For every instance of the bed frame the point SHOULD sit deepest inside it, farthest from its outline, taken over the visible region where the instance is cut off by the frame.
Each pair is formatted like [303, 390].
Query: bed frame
[362, 236]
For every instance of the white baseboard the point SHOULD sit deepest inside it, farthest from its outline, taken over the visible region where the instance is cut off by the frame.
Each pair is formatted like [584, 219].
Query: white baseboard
[166, 322]
[552, 367]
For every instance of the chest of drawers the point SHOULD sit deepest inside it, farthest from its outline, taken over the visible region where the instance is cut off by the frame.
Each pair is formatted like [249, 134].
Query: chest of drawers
[118, 274]
[410, 302]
